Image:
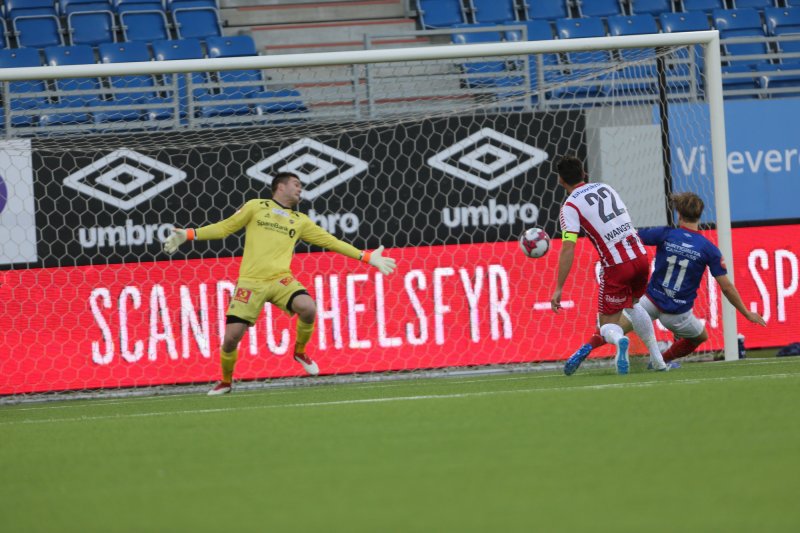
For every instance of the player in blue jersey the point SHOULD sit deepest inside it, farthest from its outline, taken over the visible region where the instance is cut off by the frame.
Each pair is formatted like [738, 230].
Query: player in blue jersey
[682, 255]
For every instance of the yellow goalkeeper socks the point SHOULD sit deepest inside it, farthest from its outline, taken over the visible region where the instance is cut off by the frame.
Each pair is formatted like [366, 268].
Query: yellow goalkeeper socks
[228, 361]
[304, 332]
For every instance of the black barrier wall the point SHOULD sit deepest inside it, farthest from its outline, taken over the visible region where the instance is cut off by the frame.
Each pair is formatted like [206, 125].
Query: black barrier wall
[442, 181]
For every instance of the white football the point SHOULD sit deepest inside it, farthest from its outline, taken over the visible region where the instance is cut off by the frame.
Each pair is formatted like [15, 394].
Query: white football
[534, 242]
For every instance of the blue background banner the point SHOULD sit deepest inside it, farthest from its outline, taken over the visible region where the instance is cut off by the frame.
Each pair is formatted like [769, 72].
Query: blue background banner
[763, 138]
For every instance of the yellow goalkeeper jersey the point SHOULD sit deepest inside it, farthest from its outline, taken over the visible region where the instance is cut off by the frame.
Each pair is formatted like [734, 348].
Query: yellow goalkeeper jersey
[271, 233]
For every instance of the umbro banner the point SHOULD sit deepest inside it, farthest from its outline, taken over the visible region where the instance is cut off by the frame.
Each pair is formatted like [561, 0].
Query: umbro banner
[443, 181]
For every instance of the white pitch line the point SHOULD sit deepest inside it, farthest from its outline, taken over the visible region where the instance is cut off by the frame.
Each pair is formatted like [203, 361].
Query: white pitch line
[640, 384]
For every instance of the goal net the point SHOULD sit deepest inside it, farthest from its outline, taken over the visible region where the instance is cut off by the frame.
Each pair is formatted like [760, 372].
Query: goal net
[445, 160]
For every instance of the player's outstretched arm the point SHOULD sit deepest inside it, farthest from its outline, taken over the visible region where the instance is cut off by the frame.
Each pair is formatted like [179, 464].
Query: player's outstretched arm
[730, 292]
[178, 237]
[313, 234]
[375, 258]
[219, 230]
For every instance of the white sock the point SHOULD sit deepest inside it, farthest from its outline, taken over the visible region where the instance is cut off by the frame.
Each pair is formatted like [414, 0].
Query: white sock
[612, 333]
[643, 326]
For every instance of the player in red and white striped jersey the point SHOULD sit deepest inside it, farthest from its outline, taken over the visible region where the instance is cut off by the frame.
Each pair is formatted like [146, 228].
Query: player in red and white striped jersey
[598, 210]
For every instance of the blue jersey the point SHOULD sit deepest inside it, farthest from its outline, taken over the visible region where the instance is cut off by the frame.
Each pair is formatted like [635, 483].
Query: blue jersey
[681, 259]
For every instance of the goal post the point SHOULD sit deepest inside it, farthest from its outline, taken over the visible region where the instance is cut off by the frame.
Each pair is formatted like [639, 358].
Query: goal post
[443, 153]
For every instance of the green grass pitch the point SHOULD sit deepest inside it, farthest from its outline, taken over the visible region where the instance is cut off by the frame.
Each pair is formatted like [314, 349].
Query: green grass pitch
[710, 447]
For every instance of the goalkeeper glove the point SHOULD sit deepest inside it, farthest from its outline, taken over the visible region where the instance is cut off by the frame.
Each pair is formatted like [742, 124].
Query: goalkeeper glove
[385, 264]
[178, 237]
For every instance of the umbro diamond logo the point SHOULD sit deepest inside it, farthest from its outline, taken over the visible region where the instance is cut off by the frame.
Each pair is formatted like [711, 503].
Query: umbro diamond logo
[124, 178]
[488, 159]
[320, 167]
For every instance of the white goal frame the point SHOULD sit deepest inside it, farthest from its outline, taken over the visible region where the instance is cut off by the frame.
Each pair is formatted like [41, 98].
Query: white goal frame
[713, 93]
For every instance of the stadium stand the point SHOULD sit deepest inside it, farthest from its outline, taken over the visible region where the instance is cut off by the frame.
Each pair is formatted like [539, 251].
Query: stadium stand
[23, 57]
[493, 10]
[69, 109]
[90, 23]
[642, 77]
[143, 24]
[546, 9]
[441, 13]
[576, 28]
[599, 8]
[652, 7]
[145, 103]
[706, 6]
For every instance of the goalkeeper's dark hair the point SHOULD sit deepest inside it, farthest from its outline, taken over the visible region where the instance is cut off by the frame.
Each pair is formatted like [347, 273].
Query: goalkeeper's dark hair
[281, 177]
[688, 205]
[570, 170]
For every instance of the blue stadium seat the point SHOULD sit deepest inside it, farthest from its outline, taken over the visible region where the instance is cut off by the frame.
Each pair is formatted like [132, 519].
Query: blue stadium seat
[145, 25]
[123, 6]
[23, 8]
[645, 73]
[440, 13]
[493, 10]
[235, 84]
[733, 23]
[23, 57]
[785, 21]
[632, 25]
[481, 74]
[233, 46]
[537, 30]
[63, 112]
[182, 49]
[264, 102]
[69, 6]
[546, 9]
[90, 26]
[780, 77]
[37, 31]
[757, 4]
[196, 22]
[149, 105]
[581, 28]
[280, 102]
[677, 22]
[120, 4]
[599, 8]
[172, 5]
[706, 6]
[652, 7]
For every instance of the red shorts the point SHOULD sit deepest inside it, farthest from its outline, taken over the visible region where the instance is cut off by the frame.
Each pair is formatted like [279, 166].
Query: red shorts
[620, 284]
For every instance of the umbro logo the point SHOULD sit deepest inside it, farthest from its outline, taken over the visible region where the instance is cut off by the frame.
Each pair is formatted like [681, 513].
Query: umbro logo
[124, 178]
[320, 167]
[488, 159]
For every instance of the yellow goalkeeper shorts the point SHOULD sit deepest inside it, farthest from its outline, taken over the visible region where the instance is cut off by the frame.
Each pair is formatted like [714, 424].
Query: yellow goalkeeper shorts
[250, 296]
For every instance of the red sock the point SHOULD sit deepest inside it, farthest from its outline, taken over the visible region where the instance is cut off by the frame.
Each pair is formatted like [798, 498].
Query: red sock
[597, 341]
[679, 349]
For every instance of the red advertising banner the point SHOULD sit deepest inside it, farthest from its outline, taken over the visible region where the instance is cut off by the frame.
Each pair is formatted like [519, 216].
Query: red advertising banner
[459, 305]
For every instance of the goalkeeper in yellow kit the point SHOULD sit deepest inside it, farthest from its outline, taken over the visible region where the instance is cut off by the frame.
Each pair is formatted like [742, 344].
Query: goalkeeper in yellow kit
[272, 228]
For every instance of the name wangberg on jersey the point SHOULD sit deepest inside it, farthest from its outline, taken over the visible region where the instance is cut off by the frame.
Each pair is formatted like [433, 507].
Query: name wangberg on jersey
[616, 232]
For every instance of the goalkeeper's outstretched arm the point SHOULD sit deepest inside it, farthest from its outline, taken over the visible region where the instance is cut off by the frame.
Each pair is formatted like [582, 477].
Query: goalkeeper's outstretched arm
[317, 236]
[219, 230]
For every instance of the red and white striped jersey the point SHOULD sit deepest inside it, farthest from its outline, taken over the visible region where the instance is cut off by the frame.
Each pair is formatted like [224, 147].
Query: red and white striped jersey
[599, 210]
